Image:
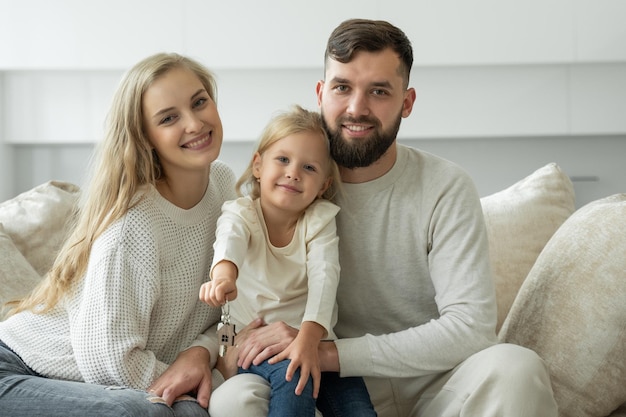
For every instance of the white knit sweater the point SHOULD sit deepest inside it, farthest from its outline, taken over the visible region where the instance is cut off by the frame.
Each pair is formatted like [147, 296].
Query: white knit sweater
[137, 306]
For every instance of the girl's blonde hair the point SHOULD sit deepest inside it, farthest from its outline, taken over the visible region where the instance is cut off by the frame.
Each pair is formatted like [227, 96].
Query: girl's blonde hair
[123, 164]
[287, 123]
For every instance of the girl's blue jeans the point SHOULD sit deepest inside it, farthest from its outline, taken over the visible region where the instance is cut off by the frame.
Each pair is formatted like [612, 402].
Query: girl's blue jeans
[24, 393]
[338, 397]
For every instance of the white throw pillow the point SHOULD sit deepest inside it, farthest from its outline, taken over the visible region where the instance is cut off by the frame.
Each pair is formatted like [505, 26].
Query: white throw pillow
[571, 310]
[520, 220]
[17, 276]
[36, 221]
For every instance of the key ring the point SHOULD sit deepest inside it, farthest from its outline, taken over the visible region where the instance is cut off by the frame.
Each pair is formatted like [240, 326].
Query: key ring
[226, 311]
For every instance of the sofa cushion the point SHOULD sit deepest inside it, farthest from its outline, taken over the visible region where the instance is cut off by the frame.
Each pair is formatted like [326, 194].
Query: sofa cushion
[520, 220]
[17, 276]
[36, 221]
[571, 309]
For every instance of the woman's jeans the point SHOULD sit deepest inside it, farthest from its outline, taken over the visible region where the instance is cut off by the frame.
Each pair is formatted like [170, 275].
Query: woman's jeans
[24, 393]
[338, 397]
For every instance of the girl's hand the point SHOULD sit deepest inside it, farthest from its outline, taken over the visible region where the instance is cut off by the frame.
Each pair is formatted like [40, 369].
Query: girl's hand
[304, 355]
[222, 286]
[217, 291]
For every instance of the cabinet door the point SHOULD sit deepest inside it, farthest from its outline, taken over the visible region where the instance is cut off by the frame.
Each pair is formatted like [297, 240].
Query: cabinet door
[268, 33]
[77, 34]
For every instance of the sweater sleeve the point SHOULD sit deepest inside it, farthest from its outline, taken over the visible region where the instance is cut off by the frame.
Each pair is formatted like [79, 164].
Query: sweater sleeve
[322, 265]
[110, 327]
[232, 234]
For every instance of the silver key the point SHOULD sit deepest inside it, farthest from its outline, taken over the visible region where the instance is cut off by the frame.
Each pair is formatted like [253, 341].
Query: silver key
[225, 330]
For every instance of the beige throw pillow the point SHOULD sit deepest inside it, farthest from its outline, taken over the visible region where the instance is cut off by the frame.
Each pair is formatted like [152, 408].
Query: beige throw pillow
[520, 220]
[571, 310]
[36, 221]
[17, 276]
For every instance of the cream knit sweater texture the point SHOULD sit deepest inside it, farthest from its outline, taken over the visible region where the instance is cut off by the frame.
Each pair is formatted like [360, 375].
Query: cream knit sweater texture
[137, 306]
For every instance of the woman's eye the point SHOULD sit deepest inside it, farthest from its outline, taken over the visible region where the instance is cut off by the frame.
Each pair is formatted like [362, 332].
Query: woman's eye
[167, 120]
[200, 102]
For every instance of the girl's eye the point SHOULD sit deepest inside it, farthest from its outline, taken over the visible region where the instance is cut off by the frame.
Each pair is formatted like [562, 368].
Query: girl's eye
[282, 159]
[310, 168]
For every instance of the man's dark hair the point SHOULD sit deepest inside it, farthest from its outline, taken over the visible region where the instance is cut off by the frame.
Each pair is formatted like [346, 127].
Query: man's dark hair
[355, 35]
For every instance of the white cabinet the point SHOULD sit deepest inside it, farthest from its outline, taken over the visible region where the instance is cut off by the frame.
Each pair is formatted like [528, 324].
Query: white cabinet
[113, 34]
[600, 30]
[77, 34]
[484, 68]
[269, 33]
[490, 32]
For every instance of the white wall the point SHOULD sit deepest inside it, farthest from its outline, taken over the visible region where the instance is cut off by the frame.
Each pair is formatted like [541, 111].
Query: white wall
[113, 34]
[6, 154]
[499, 82]
[595, 164]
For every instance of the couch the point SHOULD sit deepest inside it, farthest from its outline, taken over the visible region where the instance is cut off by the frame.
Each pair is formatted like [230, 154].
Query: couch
[559, 272]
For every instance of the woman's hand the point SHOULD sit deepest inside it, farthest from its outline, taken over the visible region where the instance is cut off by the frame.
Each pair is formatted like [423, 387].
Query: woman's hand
[190, 372]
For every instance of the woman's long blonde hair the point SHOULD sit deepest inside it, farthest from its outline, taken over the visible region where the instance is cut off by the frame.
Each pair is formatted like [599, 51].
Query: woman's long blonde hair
[296, 120]
[123, 163]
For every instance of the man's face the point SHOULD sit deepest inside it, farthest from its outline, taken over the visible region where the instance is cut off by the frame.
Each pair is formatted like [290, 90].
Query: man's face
[362, 103]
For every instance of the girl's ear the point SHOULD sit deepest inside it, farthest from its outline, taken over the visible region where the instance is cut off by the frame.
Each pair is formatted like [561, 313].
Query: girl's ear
[257, 161]
[325, 186]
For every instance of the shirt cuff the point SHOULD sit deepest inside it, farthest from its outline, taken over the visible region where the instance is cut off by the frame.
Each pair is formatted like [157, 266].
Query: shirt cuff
[355, 358]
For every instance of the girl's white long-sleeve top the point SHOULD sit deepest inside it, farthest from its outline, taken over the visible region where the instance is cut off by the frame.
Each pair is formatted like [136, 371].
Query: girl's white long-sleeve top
[294, 283]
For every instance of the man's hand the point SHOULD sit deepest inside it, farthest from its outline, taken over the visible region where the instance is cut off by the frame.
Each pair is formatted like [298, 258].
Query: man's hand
[190, 372]
[258, 341]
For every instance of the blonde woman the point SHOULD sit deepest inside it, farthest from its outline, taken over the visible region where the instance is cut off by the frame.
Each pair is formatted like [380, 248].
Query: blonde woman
[120, 302]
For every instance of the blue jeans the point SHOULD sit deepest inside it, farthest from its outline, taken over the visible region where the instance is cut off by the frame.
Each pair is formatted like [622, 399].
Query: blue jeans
[344, 397]
[23, 393]
[338, 397]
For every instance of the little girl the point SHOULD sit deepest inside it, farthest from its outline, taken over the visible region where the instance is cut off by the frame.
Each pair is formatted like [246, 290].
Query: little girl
[276, 257]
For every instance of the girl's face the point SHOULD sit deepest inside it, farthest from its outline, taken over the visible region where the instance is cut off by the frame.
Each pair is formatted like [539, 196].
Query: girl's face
[293, 171]
[182, 122]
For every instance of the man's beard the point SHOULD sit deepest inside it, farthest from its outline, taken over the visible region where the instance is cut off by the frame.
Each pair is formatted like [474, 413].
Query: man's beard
[359, 153]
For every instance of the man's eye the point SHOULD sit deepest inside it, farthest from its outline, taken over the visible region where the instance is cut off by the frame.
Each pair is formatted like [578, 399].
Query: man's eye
[341, 88]
[379, 92]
